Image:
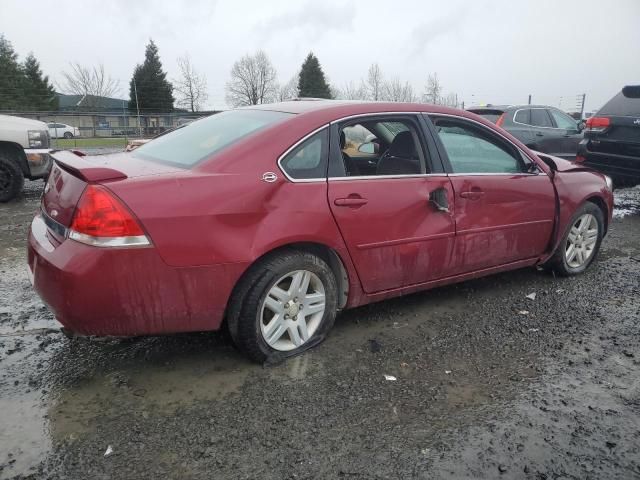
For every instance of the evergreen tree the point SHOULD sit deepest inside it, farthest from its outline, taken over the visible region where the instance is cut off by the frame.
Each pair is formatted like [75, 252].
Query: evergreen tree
[155, 92]
[312, 82]
[38, 92]
[11, 78]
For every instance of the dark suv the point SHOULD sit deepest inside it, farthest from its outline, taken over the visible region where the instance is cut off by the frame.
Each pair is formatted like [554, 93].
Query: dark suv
[612, 138]
[539, 127]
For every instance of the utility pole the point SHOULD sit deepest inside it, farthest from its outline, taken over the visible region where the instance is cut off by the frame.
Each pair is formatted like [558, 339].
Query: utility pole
[584, 96]
[135, 89]
[529, 99]
[125, 124]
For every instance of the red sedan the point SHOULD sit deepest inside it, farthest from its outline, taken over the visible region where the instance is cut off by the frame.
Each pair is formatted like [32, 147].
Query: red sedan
[270, 219]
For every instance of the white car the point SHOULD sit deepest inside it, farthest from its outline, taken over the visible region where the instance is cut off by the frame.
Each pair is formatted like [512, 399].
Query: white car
[62, 130]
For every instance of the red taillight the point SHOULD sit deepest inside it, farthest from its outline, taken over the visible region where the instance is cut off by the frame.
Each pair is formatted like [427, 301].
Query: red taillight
[580, 159]
[598, 123]
[101, 219]
[500, 120]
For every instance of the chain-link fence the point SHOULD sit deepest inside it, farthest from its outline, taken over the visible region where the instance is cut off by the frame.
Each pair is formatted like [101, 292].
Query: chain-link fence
[65, 127]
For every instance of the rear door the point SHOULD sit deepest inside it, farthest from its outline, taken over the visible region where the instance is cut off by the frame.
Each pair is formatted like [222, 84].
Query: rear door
[395, 235]
[504, 209]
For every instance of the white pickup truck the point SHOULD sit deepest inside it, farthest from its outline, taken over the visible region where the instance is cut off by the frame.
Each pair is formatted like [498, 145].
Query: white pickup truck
[24, 153]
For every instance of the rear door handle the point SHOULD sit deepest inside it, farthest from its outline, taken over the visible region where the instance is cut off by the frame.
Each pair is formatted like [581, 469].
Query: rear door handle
[350, 202]
[472, 195]
[538, 134]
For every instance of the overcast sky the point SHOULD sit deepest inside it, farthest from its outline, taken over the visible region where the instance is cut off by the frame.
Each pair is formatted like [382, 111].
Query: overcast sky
[495, 51]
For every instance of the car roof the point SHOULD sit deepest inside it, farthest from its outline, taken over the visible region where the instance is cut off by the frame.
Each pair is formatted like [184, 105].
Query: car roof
[339, 108]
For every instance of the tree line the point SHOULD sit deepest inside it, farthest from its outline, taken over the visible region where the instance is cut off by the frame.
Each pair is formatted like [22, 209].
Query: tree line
[253, 80]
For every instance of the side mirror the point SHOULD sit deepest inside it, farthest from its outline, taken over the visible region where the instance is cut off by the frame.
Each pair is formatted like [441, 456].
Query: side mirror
[368, 147]
[580, 125]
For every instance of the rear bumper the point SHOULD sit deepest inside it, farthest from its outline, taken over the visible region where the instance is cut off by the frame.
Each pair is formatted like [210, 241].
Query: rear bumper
[609, 163]
[125, 291]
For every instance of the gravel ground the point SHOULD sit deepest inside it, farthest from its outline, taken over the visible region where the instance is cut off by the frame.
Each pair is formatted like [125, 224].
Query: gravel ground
[482, 390]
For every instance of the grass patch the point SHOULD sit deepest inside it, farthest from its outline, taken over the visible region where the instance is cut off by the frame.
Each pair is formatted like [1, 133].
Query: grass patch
[88, 142]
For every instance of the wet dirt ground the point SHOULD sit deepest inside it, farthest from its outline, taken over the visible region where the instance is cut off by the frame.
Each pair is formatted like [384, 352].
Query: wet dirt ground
[482, 389]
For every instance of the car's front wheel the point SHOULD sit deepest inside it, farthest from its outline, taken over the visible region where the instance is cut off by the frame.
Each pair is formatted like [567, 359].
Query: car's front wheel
[284, 305]
[581, 241]
[68, 135]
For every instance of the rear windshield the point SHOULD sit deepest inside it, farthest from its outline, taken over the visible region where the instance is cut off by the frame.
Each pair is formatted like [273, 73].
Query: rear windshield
[491, 115]
[621, 106]
[192, 143]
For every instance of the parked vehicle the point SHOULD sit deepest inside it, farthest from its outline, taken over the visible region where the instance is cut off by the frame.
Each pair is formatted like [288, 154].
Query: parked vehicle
[539, 127]
[612, 138]
[24, 153]
[258, 216]
[62, 130]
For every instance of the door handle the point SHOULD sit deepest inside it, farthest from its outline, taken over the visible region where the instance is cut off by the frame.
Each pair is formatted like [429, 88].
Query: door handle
[472, 195]
[350, 202]
[538, 134]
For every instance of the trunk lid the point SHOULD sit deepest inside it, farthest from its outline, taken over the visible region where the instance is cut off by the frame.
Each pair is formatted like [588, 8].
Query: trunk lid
[71, 173]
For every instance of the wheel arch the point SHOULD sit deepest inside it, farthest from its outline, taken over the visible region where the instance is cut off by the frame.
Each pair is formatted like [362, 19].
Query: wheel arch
[602, 205]
[13, 147]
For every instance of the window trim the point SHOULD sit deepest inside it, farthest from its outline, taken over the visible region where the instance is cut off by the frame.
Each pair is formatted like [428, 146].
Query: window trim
[535, 126]
[445, 156]
[294, 146]
[422, 138]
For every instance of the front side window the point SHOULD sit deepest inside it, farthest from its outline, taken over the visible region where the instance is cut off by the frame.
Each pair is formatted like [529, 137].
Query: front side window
[563, 121]
[381, 146]
[196, 141]
[309, 159]
[472, 149]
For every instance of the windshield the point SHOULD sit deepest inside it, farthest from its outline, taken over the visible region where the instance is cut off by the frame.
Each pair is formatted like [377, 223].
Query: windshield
[188, 145]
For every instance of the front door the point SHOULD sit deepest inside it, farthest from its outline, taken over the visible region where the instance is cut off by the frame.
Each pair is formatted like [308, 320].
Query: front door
[504, 205]
[395, 235]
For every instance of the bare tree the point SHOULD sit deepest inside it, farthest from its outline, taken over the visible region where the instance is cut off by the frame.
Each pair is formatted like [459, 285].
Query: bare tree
[290, 89]
[191, 87]
[375, 82]
[395, 91]
[433, 90]
[91, 82]
[353, 91]
[450, 100]
[253, 81]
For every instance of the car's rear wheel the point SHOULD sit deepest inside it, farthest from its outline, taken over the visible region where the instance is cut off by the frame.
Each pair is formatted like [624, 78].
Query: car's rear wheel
[581, 242]
[284, 305]
[11, 177]
[68, 135]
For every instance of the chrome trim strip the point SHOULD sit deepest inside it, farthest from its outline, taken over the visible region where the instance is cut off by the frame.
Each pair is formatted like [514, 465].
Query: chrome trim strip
[484, 174]
[301, 180]
[132, 241]
[528, 124]
[360, 115]
[471, 231]
[376, 177]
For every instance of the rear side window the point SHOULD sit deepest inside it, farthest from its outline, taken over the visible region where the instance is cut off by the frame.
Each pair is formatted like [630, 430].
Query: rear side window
[540, 118]
[192, 143]
[523, 116]
[472, 149]
[309, 159]
[621, 106]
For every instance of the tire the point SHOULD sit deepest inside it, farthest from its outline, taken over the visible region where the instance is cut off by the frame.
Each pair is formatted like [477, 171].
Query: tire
[11, 177]
[68, 135]
[563, 262]
[253, 324]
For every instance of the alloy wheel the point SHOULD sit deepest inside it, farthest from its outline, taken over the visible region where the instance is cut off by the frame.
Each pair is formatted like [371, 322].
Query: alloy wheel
[292, 310]
[582, 240]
